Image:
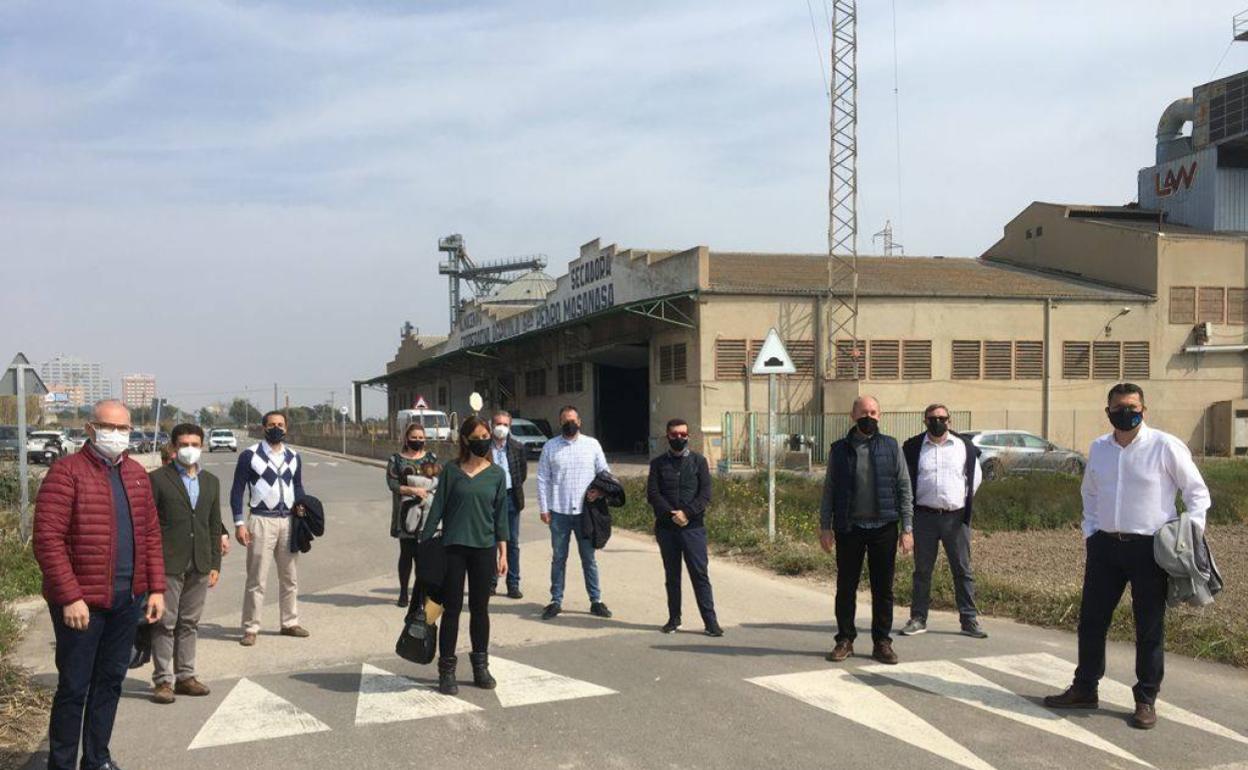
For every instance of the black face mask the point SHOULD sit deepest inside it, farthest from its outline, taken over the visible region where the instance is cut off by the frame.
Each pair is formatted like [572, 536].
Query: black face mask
[678, 444]
[1125, 419]
[570, 429]
[479, 446]
[868, 425]
[937, 427]
[415, 445]
[274, 435]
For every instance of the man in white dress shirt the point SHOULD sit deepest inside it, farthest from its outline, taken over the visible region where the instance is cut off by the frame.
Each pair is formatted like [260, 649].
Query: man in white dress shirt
[1129, 489]
[945, 473]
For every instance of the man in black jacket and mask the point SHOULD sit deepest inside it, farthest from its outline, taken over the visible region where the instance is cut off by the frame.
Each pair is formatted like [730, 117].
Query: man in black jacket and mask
[867, 511]
[679, 491]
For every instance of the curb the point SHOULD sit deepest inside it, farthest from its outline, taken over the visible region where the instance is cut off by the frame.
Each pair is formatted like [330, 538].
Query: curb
[340, 456]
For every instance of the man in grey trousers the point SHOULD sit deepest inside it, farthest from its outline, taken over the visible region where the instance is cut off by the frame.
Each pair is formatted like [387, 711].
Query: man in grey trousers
[945, 473]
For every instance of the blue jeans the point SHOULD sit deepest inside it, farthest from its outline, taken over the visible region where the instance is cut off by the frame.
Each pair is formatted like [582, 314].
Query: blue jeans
[561, 528]
[91, 665]
[513, 545]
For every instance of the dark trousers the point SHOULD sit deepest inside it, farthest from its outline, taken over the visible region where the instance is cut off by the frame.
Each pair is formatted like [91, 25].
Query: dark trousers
[878, 547]
[478, 566]
[513, 545]
[407, 560]
[1112, 563]
[688, 544]
[91, 665]
[931, 530]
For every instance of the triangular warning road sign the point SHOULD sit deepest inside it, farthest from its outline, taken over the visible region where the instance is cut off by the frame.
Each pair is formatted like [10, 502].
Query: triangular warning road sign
[421, 403]
[773, 358]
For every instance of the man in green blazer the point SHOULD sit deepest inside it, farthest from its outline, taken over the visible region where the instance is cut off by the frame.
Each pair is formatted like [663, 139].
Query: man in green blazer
[188, 500]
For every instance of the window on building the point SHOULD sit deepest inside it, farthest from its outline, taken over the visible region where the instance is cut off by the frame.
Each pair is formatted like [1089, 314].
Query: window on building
[1106, 360]
[571, 378]
[673, 363]
[442, 395]
[1076, 360]
[966, 359]
[885, 359]
[730, 359]
[1039, 230]
[849, 355]
[916, 359]
[1182, 304]
[1237, 306]
[535, 382]
[1028, 360]
[1135, 361]
[1211, 305]
[803, 354]
[998, 360]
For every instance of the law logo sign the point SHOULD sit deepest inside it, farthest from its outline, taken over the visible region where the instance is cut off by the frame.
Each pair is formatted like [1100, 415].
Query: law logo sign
[773, 358]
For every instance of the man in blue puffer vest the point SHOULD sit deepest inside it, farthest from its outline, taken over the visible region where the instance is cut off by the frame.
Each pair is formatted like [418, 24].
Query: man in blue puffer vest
[867, 511]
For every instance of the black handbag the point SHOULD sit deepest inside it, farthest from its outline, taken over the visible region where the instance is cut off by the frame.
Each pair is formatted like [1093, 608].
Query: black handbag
[418, 642]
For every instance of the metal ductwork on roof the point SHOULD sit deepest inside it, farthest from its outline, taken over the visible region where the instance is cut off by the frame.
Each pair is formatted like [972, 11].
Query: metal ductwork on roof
[1171, 143]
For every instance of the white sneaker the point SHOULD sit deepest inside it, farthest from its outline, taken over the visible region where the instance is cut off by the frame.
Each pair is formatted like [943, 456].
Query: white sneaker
[914, 627]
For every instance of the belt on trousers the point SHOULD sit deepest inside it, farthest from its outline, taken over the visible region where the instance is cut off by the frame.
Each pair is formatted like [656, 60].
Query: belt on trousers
[1126, 537]
[925, 509]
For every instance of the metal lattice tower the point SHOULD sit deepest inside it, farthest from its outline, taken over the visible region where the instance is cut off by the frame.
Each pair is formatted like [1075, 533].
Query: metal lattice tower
[891, 247]
[481, 278]
[843, 182]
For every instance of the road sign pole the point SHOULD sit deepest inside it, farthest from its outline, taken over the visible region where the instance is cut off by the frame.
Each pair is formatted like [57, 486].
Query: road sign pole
[23, 471]
[771, 458]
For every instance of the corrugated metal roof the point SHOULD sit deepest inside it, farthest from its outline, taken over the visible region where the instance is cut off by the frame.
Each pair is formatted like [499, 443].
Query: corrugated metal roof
[734, 272]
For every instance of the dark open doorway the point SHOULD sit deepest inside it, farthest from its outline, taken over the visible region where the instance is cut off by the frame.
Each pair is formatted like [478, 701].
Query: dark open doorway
[622, 408]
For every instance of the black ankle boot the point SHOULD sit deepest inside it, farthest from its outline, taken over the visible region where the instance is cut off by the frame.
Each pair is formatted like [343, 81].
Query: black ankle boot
[446, 676]
[481, 670]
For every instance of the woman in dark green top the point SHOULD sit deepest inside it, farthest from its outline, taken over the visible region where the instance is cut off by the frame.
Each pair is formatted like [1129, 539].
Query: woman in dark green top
[471, 506]
[406, 461]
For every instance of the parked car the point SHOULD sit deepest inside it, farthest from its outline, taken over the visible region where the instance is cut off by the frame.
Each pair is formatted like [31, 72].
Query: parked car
[8, 442]
[222, 438]
[139, 442]
[529, 435]
[77, 438]
[46, 446]
[1014, 451]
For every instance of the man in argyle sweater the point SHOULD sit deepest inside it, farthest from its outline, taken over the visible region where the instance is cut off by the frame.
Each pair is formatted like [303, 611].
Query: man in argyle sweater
[271, 475]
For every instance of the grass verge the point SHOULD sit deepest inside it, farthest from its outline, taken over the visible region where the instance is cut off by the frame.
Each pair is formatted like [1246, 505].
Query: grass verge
[23, 706]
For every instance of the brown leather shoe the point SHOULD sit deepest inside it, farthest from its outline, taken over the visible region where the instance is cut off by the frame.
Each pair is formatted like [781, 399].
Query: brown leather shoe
[1145, 716]
[162, 694]
[248, 640]
[1073, 698]
[843, 649]
[192, 687]
[299, 632]
[883, 652]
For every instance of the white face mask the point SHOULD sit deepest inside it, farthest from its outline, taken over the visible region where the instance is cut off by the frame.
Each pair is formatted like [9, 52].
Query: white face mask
[189, 455]
[111, 443]
[502, 431]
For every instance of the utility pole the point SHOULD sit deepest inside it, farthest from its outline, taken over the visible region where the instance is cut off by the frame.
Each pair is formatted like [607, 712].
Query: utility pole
[275, 396]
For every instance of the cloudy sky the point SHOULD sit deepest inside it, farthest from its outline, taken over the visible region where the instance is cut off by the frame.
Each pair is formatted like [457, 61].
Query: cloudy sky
[231, 194]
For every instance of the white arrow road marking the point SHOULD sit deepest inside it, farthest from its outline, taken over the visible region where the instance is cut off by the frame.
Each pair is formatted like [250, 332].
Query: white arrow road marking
[521, 685]
[332, 465]
[1051, 670]
[386, 697]
[252, 713]
[844, 695]
[952, 681]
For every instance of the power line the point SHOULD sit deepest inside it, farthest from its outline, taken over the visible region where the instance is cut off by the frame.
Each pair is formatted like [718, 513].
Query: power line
[818, 48]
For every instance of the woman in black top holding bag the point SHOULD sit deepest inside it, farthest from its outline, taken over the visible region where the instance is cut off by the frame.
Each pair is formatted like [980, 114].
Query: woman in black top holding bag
[471, 505]
[403, 463]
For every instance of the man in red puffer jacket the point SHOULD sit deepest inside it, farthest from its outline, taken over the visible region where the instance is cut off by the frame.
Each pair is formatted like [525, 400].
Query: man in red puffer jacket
[97, 540]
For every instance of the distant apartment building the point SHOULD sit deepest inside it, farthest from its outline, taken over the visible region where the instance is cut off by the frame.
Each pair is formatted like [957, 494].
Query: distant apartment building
[68, 372]
[138, 390]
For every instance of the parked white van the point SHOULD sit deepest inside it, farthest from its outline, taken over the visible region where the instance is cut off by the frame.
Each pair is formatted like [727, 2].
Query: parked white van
[437, 425]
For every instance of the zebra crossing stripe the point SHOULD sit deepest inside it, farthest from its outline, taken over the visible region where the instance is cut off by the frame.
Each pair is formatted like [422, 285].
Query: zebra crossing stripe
[521, 685]
[385, 697]
[843, 694]
[1051, 670]
[252, 713]
[949, 680]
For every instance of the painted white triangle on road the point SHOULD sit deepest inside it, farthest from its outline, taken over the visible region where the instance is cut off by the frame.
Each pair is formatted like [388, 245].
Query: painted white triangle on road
[1053, 671]
[948, 679]
[521, 685]
[841, 693]
[386, 697]
[252, 713]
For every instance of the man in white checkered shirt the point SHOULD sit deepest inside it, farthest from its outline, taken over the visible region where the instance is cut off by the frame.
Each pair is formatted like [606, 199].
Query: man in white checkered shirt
[568, 466]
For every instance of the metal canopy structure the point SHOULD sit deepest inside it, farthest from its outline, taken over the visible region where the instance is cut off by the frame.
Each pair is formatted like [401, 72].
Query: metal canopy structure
[483, 278]
[843, 183]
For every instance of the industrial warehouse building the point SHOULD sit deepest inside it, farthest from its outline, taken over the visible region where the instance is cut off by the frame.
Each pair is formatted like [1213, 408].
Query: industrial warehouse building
[1029, 336]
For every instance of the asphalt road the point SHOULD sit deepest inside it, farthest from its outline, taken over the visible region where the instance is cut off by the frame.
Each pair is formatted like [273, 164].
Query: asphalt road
[584, 692]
